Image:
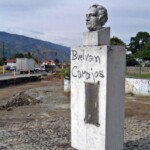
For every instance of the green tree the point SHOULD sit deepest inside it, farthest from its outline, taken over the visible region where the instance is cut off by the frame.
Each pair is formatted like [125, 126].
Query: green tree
[116, 41]
[29, 55]
[144, 55]
[130, 61]
[18, 55]
[2, 61]
[139, 41]
[146, 46]
[56, 61]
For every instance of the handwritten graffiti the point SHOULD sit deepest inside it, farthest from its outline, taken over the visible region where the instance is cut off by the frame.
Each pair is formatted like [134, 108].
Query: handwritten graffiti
[138, 86]
[85, 57]
[91, 62]
[77, 73]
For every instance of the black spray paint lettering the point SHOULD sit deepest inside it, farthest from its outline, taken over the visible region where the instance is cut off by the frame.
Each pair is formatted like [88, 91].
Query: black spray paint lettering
[85, 74]
[79, 74]
[85, 57]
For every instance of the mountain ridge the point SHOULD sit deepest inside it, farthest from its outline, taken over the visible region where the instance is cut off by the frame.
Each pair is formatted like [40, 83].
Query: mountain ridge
[14, 43]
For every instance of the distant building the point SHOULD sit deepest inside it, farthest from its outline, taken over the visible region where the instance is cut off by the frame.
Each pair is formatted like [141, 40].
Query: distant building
[10, 62]
[48, 62]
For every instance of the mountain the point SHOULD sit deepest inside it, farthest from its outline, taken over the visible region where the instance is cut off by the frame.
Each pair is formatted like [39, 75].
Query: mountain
[14, 43]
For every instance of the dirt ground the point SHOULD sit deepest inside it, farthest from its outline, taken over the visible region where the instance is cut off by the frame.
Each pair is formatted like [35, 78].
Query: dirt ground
[135, 106]
[29, 126]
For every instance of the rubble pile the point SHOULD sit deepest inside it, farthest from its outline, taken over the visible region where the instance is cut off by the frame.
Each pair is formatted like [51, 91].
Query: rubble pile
[21, 99]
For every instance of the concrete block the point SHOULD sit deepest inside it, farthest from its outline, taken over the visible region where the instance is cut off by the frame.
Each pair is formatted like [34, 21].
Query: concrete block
[97, 38]
[103, 66]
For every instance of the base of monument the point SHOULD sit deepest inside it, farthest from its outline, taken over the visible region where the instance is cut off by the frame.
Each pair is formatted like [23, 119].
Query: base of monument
[97, 97]
[97, 38]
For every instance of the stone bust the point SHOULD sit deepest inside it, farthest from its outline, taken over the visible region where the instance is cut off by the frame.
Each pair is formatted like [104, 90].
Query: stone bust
[96, 17]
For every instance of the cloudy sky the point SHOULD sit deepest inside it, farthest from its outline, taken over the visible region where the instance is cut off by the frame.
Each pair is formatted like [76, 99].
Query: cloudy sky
[63, 21]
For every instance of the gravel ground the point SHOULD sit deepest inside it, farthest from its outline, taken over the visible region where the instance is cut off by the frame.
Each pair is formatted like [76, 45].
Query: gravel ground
[137, 134]
[38, 134]
[54, 134]
[46, 126]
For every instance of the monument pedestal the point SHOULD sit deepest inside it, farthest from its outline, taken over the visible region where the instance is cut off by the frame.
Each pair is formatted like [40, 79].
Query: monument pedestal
[97, 97]
[94, 38]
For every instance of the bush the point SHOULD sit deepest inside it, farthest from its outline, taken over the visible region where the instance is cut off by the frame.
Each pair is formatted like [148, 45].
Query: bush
[65, 72]
[130, 61]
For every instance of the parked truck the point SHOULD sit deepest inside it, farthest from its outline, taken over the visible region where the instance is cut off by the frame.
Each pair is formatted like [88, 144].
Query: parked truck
[25, 65]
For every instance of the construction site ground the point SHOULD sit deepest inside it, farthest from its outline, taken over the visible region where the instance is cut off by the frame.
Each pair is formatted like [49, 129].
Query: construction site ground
[36, 115]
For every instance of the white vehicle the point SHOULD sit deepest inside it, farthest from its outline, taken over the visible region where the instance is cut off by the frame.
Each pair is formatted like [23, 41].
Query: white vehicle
[25, 65]
[47, 68]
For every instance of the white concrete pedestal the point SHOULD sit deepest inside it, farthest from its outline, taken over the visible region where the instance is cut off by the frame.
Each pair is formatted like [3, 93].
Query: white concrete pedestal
[103, 66]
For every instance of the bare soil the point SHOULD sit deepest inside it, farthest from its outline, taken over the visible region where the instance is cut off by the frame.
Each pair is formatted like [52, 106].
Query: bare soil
[44, 123]
[137, 107]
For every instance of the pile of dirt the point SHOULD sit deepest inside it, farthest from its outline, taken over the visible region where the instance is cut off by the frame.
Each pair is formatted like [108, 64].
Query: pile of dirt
[54, 77]
[21, 99]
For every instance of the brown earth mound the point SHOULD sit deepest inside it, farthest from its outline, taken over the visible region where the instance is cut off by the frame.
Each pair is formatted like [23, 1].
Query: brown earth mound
[19, 100]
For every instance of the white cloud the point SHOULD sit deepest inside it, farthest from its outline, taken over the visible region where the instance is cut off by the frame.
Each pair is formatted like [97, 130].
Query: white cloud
[64, 21]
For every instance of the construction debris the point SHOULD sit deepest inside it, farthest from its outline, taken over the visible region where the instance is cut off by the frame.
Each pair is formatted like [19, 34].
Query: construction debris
[20, 99]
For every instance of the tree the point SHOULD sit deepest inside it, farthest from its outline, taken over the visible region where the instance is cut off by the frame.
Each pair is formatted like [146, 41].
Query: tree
[56, 61]
[139, 41]
[116, 41]
[146, 46]
[2, 61]
[18, 55]
[140, 45]
[144, 55]
[130, 61]
[29, 55]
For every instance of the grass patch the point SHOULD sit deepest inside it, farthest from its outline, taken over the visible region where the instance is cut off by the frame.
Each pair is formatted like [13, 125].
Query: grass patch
[142, 76]
[1, 69]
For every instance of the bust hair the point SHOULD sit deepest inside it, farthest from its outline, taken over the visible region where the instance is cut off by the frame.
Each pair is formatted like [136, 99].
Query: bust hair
[101, 10]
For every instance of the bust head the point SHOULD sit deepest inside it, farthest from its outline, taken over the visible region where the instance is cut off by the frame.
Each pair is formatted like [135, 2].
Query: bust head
[96, 17]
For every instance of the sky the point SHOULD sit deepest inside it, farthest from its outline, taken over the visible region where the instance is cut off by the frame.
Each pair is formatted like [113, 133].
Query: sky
[63, 21]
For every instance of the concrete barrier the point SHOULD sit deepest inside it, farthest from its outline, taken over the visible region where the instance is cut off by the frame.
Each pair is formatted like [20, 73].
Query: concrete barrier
[66, 85]
[137, 86]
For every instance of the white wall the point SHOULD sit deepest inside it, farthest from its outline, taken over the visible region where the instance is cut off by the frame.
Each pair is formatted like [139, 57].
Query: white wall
[11, 64]
[137, 86]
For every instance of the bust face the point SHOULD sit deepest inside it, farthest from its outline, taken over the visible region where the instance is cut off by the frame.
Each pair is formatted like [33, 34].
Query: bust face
[92, 19]
[95, 19]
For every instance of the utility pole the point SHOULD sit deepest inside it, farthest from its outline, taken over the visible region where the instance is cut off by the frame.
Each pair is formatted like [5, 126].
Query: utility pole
[38, 55]
[44, 52]
[3, 50]
[140, 44]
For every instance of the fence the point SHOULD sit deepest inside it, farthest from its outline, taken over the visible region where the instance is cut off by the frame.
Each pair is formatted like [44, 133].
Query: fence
[138, 70]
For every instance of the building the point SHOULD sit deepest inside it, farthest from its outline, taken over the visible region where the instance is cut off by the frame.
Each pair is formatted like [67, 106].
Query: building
[48, 62]
[11, 62]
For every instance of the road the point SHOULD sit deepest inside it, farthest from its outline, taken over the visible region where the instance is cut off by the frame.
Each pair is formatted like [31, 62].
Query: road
[8, 76]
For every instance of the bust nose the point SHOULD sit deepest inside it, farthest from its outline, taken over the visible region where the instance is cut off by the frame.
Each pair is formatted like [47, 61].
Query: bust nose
[87, 17]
